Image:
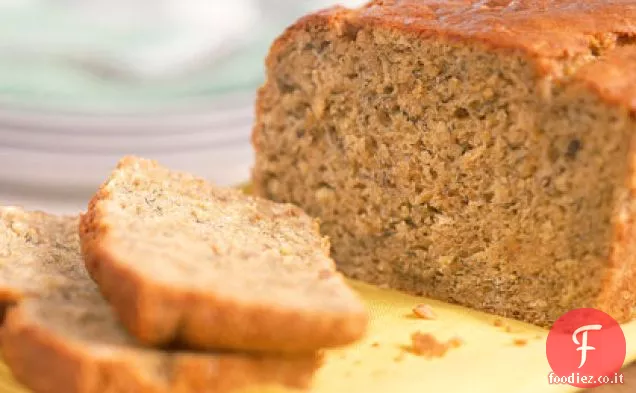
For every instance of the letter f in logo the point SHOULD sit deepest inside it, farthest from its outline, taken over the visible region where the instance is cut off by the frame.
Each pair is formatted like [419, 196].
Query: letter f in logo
[583, 344]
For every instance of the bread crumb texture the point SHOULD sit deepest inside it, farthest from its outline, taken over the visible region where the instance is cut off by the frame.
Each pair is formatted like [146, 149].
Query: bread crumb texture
[183, 261]
[62, 336]
[475, 152]
[34, 253]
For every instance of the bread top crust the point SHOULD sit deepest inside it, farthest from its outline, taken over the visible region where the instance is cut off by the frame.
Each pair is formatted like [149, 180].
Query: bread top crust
[546, 28]
[593, 42]
[613, 77]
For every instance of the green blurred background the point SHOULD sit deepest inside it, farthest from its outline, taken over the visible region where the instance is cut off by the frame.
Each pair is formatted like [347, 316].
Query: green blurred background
[127, 56]
[85, 82]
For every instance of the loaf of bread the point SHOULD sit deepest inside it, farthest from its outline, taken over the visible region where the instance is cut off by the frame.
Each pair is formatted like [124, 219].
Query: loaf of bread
[479, 152]
[185, 262]
[62, 337]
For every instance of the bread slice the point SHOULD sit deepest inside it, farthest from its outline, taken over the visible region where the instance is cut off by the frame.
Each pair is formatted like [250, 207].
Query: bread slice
[183, 261]
[478, 152]
[34, 249]
[62, 336]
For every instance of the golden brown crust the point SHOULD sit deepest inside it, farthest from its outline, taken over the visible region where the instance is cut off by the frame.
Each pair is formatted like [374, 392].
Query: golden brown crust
[618, 294]
[547, 28]
[48, 363]
[613, 76]
[556, 35]
[9, 295]
[34, 357]
[161, 315]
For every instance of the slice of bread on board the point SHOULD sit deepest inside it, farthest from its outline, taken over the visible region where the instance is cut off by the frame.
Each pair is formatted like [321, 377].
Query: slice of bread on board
[183, 261]
[60, 335]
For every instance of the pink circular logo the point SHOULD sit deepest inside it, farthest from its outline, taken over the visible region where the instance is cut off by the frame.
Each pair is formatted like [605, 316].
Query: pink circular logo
[586, 348]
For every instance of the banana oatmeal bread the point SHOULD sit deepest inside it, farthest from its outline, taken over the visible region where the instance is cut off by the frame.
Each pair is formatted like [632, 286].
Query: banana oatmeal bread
[479, 152]
[185, 262]
[62, 337]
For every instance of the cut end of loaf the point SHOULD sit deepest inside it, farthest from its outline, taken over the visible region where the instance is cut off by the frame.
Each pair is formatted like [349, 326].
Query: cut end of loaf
[445, 165]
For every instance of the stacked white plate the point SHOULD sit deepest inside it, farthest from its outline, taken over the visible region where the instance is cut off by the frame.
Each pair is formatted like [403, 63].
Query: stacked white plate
[55, 162]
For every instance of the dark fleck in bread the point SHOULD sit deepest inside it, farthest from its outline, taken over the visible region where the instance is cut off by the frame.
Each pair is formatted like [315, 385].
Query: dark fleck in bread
[478, 152]
[62, 336]
[183, 261]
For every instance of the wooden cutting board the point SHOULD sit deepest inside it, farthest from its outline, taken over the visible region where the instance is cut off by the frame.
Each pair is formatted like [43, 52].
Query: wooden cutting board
[489, 361]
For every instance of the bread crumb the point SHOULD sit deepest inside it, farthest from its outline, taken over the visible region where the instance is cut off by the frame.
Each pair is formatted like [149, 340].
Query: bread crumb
[425, 344]
[455, 342]
[502, 324]
[215, 249]
[424, 311]
[375, 344]
[320, 357]
[399, 357]
[520, 342]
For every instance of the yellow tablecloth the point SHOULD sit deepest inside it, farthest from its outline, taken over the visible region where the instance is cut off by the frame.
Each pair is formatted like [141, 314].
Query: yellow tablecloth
[487, 362]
